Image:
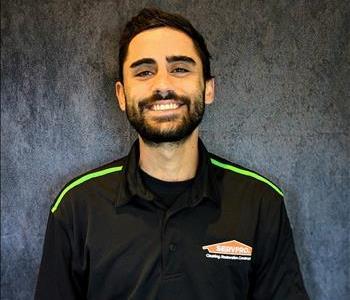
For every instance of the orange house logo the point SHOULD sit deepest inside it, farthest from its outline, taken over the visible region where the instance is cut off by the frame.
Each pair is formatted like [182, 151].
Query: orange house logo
[229, 248]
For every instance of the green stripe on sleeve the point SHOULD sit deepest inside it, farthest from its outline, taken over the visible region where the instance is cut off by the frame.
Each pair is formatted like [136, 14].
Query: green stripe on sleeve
[246, 173]
[81, 180]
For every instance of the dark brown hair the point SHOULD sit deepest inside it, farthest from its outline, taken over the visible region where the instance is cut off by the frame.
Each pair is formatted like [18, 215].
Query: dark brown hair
[149, 18]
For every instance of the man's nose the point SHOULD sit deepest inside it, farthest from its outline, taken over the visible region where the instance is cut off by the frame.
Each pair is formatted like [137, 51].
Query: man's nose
[162, 84]
[164, 94]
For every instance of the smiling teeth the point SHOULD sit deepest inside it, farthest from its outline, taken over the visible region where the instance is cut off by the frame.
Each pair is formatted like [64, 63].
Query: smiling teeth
[165, 106]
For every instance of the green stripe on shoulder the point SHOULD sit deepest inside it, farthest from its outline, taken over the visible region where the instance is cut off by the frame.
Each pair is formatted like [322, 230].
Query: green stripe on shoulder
[81, 180]
[246, 173]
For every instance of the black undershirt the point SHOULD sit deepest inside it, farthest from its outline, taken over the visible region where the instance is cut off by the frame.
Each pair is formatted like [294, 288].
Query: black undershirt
[167, 191]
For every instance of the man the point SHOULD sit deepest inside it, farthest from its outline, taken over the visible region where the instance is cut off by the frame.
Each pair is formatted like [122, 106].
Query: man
[170, 220]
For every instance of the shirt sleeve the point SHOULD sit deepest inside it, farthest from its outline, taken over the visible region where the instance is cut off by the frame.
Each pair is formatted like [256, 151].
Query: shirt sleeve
[56, 278]
[276, 272]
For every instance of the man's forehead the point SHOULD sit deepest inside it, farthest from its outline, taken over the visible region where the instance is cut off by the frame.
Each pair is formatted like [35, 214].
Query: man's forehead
[161, 42]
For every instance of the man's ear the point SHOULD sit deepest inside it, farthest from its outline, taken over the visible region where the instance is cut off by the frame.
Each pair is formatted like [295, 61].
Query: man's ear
[120, 94]
[209, 92]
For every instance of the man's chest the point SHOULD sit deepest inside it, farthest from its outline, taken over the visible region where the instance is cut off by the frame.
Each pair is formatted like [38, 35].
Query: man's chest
[200, 252]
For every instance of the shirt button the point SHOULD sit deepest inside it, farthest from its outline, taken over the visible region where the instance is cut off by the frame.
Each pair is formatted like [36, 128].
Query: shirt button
[172, 247]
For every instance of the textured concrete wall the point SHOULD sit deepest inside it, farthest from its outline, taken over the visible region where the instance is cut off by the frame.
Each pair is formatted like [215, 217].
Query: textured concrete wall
[282, 109]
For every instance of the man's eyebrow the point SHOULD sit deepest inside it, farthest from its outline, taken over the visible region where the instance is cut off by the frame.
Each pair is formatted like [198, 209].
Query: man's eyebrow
[143, 61]
[180, 58]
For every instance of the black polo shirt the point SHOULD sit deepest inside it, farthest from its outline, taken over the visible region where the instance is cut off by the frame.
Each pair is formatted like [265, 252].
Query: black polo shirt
[227, 237]
[167, 192]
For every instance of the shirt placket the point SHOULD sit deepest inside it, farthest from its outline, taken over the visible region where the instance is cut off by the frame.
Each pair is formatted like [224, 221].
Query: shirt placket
[171, 262]
[172, 272]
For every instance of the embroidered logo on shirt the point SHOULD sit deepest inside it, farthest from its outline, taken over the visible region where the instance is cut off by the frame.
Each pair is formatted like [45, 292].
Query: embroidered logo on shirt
[229, 250]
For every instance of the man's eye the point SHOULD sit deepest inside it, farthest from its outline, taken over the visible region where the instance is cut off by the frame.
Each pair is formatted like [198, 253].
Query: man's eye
[180, 70]
[144, 74]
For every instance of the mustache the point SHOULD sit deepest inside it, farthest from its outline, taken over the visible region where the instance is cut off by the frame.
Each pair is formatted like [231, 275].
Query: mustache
[147, 102]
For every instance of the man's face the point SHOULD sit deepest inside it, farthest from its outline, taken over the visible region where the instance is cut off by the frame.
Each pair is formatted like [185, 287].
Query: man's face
[164, 93]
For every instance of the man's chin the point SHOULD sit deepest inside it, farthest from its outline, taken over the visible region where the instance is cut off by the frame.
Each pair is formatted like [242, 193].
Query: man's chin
[155, 138]
[167, 132]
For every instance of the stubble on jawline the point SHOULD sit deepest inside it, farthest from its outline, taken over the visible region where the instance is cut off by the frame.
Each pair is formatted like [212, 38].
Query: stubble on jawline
[173, 137]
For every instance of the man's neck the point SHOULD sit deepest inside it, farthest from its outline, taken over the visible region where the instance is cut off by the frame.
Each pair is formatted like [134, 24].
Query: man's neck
[171, 161]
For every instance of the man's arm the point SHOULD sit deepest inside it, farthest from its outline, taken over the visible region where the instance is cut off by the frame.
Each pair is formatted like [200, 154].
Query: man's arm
[56, 278]
[276, 272]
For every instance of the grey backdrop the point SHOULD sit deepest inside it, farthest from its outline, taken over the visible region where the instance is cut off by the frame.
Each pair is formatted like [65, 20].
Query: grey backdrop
[282, 109]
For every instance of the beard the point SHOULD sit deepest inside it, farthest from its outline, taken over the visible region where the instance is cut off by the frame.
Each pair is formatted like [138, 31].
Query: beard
[182, 126]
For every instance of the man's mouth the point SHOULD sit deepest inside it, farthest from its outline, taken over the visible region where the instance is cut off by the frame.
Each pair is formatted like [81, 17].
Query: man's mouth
[164, 105]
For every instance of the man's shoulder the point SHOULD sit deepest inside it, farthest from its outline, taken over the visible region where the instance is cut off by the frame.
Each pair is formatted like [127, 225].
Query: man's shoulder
[104, 176]
[242, 175]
